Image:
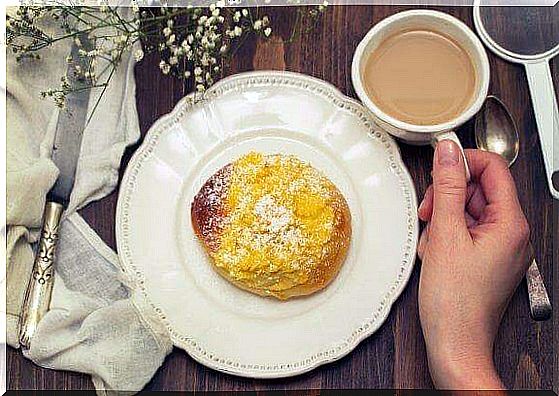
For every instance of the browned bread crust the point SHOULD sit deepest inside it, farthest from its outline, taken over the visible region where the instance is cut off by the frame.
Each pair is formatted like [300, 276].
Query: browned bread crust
[209, 213]
[208, 210]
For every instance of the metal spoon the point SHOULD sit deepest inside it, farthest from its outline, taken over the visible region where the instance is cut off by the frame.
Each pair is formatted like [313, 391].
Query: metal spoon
[495, 131]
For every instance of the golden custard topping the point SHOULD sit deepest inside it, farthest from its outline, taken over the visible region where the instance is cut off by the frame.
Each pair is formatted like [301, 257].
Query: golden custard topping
[281, 223]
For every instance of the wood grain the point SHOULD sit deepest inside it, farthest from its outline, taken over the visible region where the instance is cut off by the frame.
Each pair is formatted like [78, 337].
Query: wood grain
[394, 357]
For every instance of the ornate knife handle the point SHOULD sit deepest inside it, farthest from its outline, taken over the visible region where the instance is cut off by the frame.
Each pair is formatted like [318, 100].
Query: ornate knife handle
[39, 289]
[540, 306]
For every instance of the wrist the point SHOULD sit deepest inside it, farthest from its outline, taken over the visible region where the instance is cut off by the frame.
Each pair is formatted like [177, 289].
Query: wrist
[468, 371]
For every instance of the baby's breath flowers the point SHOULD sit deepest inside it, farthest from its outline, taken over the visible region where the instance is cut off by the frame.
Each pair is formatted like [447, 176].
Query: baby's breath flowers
[192, 42]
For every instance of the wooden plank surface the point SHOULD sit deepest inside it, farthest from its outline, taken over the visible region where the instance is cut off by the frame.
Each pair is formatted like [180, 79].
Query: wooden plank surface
[394, 357]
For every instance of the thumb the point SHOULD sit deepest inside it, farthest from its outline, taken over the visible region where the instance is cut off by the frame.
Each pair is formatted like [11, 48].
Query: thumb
[449, 187]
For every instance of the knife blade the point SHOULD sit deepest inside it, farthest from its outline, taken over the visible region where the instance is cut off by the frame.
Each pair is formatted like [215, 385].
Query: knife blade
[68, 135]
[66, 149]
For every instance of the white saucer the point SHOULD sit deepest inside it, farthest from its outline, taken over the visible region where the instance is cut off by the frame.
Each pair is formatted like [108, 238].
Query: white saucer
[218, 324]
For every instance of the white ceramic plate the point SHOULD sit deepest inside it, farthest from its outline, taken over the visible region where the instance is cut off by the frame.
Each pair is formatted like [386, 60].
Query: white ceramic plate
[218, 324]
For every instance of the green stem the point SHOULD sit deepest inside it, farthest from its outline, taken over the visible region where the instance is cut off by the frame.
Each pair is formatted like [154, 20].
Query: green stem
[106, 85]
[80, 32]
[93, 14]
[115, 13]
[77, 16]
[295, 27]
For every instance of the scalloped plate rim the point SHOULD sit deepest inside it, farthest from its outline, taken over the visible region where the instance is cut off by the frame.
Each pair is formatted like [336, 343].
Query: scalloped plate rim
[130, 269]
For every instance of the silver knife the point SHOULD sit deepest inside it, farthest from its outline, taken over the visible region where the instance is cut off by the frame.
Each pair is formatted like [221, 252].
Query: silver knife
[66, 150]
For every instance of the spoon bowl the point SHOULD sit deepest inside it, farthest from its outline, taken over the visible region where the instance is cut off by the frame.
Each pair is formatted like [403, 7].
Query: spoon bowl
[495, 130]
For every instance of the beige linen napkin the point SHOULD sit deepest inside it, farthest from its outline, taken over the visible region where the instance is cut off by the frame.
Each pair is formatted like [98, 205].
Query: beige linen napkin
[97, 324]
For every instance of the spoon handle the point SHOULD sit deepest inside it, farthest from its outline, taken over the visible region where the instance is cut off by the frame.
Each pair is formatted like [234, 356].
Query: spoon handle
[547, 117]
[540, 306]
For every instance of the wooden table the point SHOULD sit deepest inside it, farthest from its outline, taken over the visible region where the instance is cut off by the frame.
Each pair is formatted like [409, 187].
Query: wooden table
[394, 357]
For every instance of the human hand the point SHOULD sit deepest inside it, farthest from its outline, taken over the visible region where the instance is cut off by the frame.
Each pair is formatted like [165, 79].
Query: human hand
[474, 255]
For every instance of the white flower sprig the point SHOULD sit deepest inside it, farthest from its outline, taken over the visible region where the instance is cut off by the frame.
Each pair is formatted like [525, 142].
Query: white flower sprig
[192, 43]
[196, 49]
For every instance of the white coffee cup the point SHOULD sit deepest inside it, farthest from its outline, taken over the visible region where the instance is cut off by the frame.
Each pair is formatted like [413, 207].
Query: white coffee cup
[438, 22]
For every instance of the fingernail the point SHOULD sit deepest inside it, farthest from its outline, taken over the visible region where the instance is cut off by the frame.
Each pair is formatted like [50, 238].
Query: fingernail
[447, 153]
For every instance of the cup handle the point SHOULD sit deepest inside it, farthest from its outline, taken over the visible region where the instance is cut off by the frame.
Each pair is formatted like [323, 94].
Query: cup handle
[451, 135]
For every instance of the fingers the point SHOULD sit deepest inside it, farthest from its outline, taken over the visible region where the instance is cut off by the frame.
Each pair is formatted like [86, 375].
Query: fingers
[503, 209]
[490, 198]
[449, 189]
[475, 203]
[495, 179]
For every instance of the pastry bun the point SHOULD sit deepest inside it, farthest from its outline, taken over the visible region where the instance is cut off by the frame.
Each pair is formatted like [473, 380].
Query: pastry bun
[273, 225]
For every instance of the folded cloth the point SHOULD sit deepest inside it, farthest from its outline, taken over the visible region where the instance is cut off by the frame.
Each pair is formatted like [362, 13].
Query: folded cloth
[94, 324]
[97, 324]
